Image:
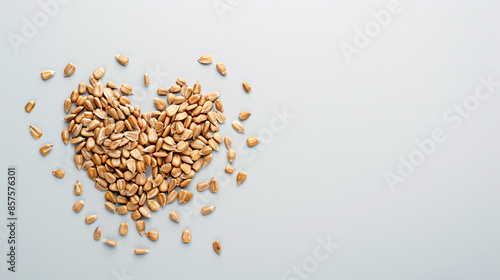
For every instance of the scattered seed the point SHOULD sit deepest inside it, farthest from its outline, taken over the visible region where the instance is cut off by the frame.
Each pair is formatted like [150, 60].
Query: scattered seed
[111, 207]
[159, 103]
[141, 226]
[252, 141]
[123, 60]
[246, 86]
[216, 246]
[205, 59]
[78, 188]
[174, 216]
[99, 72]
[238, 126]
[153, 205]
[45, 149]
[214, 185]
[152, 234]
[141, 251]
[78, 206]
[90, 219]
[186, 236]
[110, 242]
[146, 78]
[58, 173]
[207, 210]
[122, 210]
[231, 154]
[126, 89]
[30, 106]
[145, 211]
[244, 115]
[123, 230]
[229, 169]
[47, 74]
[240, 178]
[97, 233]
[35, 132]
[69, 70]
[227, 142]
[222, 68]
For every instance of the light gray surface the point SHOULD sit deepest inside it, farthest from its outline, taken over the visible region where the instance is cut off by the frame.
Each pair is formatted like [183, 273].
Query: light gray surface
[320, 176]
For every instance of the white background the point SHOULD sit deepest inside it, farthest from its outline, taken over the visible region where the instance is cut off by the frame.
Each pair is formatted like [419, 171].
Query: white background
[319, 176]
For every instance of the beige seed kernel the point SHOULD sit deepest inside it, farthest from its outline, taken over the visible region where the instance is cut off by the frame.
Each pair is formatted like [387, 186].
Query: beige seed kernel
[110, 206]
[141, 251]
[141, 226]
[162, 199]
[197, 88]
[47, 74]
[227, 142]
[78, 161]
[67, 105]
[159, 103]
[78, 190]
[146, 79]
[98, 73]
[30, 106]
[65, 136]
[240, 178]
[110, 242]
[186, 236]
[97, 233]
[123, 60]
[153, 205]
[252, 141]
[222, 68]
[246, 86]
[230, 169]
[69, 70]
[152, 234]
[145, 211]
[126, 89]
[217, 247]
[238, 126]
[35, 132]
[122, 210]
[231, 154]
[78, 206]
[123, 230]
[207, 210]
[174, 216]
[205, 59]
[214, 185]
[90, 219]
[201, 186]
[111, 85]
[244, 115]
[45, 149]
[82, 88]
[58, 173]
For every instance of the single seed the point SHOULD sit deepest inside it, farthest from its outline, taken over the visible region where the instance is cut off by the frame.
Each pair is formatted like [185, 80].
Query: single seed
[214, 185]
[58, 173]
[141, 226]
[227, 142]
[110, 206]
[65, 136]
[35, 132]
[174, 216]
[222, 68]
[244, 115]
[98, 73]
[252, 141]
[197, 88]
[186, 236]
[216, 246]
[146, 78]
[123, 228]
[246, 86]
[122, 210]
[145, 211]
[123, 60]
[207, 210]
[162, 198]
[136, 215]
[78, 190]
[90, 219]
[126, 89]
[181, 82]
[30, 106]
[201, 186]
[152, 234]
[231, 154]
[240, 178]
[79, 161]
[159, 103]
[110, 242]
[70, 68]
[238, 126]
[45, 149]
[67, 105]
[141, 251]
[78, 206]
[82, 88]
[205, 59]
[47, 74]
[97, 233]
[111, 85]
[153, 205]
[230, 169]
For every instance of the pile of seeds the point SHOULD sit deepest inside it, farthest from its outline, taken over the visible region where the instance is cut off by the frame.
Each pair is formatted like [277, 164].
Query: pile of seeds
[115, 144]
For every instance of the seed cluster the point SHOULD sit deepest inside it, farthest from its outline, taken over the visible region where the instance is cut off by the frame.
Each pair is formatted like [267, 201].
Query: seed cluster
[115, 144]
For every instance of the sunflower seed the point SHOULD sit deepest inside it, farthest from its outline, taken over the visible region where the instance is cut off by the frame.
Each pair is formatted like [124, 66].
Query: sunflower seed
[123, 60]
[123, 230]
[222, 68]
[45, 149]
[214, 185]
[216, 246]
[47, 74]
[231, 154]
[174, 216]
[141, 226]
[110, 242]
[58, 173]
[90, 219]
[152, 234]
[252, 141]
[78, 206]
[78, 188]
[207, 210]
[146, 79]
[229, 169]
[97, 233]
[205, 59]
[244, 115]
[98, 73]
[201, 186]
[35, 132]
[246, 86]
[69, 70]
[227, 142]
[186, 236]
[141, 251]
[238, 126]
[29, 106]
[240, 178]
